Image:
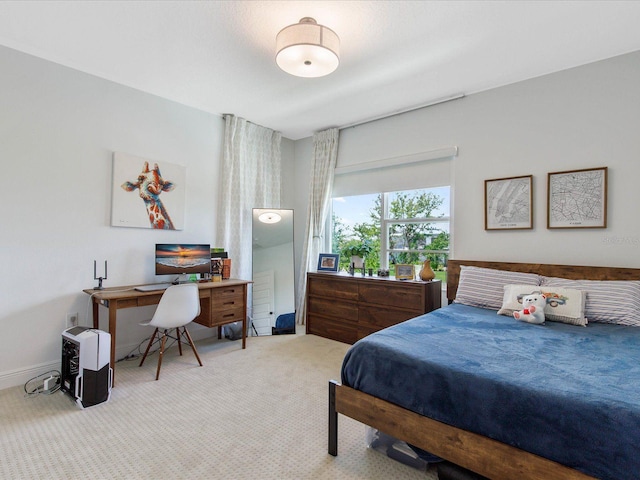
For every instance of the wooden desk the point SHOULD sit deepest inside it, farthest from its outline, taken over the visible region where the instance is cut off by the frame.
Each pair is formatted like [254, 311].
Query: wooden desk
[220, 303]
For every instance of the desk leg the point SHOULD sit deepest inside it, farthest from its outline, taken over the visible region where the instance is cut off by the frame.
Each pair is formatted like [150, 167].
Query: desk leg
[244, 318]
[96, 318]
[113, 311]
[244, 332]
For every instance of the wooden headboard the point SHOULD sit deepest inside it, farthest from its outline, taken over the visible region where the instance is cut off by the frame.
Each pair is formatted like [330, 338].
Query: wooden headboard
[575, 272]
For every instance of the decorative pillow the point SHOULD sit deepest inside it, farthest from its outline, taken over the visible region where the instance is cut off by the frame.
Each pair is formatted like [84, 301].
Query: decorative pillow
[484, 287]
[608, 301]
[564, 305]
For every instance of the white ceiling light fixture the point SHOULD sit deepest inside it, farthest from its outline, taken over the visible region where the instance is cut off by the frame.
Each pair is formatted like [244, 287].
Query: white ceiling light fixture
[307, 49]
[269, 217]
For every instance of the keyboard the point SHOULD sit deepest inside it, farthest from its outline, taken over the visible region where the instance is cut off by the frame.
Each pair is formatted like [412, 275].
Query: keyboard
[153, 287]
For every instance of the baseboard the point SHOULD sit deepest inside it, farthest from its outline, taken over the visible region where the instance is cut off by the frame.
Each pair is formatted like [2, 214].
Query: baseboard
[13, 378]
[20, 376]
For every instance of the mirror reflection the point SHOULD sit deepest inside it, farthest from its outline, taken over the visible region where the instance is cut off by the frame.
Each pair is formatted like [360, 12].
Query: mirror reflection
[273, 291]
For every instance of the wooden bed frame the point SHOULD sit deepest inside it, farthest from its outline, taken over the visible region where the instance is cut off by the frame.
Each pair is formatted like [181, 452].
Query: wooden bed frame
[474, 452]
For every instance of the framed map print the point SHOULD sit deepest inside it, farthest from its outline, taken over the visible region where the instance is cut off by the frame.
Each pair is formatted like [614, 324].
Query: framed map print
[508, 203]
[577, 199]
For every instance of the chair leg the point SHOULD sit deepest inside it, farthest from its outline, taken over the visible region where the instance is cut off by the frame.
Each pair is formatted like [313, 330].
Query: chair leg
[162, 342]
[193, 346]
[179, 342]
[153, 337]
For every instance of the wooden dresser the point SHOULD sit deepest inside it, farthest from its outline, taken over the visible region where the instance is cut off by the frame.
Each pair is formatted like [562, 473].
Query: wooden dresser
[347, 308]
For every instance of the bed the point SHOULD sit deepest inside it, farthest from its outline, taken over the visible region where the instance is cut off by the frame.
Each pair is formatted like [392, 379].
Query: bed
[503, 398]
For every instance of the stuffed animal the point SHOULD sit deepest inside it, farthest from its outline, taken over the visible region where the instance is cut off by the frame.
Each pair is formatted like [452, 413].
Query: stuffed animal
[533, 311]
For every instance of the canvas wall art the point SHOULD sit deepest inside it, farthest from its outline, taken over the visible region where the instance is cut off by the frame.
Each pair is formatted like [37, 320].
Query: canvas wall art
[147, 193]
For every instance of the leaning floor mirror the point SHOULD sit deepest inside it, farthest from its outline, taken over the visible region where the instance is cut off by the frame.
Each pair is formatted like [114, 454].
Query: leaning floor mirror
[273, 291]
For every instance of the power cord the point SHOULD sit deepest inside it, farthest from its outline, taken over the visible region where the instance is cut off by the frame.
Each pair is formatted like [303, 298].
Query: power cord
[46, 383]
[90, 301]
[137, 351]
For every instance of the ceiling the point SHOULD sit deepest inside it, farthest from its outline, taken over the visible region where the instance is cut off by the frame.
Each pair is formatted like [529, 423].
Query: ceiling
[267, 235]
[218, 56]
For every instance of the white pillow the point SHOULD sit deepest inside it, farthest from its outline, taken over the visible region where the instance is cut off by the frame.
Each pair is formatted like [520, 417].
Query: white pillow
[608, 301]
[564, 305]
[484, 287]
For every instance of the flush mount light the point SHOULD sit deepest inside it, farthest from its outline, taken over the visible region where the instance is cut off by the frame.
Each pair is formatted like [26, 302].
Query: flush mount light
[269, 217]
[307, 49]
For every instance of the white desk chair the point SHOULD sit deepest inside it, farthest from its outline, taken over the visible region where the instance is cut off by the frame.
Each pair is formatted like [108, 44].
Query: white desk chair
[179, 305]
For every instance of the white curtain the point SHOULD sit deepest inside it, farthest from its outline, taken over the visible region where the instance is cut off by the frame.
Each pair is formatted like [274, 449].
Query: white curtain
[249, 178]
[325, 154]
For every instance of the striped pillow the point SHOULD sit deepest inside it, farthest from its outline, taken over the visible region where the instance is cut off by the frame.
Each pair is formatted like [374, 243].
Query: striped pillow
[484, 287]
[608, 301]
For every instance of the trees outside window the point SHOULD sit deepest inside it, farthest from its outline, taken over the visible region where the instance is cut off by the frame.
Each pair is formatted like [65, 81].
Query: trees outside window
[402, 227]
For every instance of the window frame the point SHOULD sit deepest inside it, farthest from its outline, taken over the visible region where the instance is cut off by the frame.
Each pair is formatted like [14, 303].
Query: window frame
[385, 223]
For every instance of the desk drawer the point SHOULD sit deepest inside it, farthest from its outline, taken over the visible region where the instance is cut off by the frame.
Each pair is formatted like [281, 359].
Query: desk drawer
[228, 302]
[221, 317]
[227, 297]
[149, 300]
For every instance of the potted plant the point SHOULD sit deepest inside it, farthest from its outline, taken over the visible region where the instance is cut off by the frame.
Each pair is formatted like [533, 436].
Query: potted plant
[358, 252]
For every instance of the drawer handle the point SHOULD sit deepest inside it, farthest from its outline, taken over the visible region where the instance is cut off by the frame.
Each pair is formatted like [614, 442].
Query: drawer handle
[229, 315]
[229, 303]
[231, 290]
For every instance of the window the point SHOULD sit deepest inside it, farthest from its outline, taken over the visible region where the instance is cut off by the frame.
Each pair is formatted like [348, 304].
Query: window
[402, 227]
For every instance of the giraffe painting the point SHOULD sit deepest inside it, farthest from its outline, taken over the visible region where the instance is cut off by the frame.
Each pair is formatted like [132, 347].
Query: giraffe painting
[150, 185]
[136, 178]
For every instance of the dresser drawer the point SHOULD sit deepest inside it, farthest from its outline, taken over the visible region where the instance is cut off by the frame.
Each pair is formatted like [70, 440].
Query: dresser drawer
[333, 329]
[403, 295]
[342, 311]
[333, 287]
[378, 318]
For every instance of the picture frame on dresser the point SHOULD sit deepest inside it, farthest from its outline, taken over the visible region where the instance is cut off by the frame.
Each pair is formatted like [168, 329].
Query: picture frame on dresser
[328, 262]
[405, 271]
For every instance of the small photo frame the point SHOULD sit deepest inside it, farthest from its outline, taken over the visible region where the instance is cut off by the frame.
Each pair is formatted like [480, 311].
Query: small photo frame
[405, 272]
[577, 198]
[328, 262]
[508, 203]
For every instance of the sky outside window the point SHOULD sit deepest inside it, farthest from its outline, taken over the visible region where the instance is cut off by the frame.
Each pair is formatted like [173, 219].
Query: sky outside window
[356, 209]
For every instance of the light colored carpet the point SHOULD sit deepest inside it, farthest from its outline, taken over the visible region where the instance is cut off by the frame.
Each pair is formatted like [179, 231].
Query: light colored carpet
[256, 413]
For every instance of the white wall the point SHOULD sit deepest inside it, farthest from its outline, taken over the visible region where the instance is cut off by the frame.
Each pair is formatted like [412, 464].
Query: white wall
[580, 118]
[58, 130]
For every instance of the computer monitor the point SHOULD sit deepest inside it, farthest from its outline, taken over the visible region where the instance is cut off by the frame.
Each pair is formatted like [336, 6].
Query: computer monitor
[181, 258]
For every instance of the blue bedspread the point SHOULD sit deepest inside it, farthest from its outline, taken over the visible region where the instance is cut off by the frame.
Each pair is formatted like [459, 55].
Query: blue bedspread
[567, 393]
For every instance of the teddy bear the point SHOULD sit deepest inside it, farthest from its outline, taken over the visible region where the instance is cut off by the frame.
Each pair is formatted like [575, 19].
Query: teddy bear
[533, 311]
